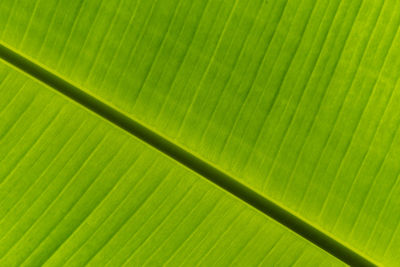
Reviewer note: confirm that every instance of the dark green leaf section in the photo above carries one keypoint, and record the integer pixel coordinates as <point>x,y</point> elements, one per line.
<point>76,190</point>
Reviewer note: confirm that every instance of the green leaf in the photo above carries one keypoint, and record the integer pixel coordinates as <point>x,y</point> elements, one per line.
<point>297,100</point>
<point>77,190</point>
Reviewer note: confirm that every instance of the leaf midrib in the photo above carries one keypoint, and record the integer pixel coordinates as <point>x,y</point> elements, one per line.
<point>186,158</point>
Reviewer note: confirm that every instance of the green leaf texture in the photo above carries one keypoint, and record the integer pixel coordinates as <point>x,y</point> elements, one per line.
<point>297,99</point>
<point>76,190</point>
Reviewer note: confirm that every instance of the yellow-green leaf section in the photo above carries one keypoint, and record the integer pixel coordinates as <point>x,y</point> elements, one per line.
<point>298,99</point>
<point>76,190</point>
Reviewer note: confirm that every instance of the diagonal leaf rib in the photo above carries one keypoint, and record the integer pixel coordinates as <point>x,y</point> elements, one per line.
<point>186,158</point>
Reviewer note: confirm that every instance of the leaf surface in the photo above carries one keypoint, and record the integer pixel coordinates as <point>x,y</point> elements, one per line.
<point>77,190</point>
<point>296,99</point>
